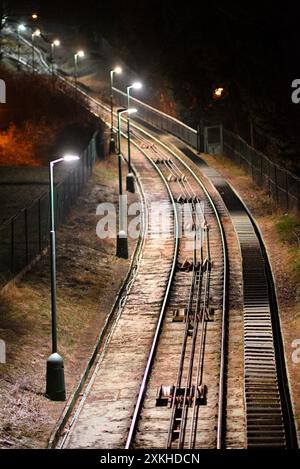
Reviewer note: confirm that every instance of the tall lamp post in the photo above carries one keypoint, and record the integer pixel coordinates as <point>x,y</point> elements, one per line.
<point>36,33</point>
<point>55,381</point>
<point>54,44</point>
<point>122,241</point>
<point>130,178</point>
<point>81,55</point>
<point>112,145</point>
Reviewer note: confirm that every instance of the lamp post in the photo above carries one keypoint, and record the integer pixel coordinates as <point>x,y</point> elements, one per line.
<point>130,178</point>
<point>122,241</point>
<point>36,33</point>
<point>55,382</point>
<point>21,27</point>
<point>54,44</point>
<point>78,54</point>
<point>112,145</point>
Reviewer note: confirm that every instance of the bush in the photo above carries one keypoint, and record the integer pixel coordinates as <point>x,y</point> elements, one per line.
<point>288,229</point>
<point>26,145</point>
<point>35,113</point>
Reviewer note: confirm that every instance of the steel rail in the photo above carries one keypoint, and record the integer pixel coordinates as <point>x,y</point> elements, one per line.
<point>147,371</point>
<point>196,283</point>
<point>97,104</point>
<point>221,403</point>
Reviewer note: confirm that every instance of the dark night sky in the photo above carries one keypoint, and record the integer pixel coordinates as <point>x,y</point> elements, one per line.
<point>252,49</point>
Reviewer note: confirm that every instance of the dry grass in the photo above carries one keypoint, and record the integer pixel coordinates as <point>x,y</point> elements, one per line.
<point>88,276</point>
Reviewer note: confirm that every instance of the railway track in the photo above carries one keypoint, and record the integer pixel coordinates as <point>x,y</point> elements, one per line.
<point>171,398</point>
<point>183,405</point>
<point>268,409</point>
<point>176,299</point>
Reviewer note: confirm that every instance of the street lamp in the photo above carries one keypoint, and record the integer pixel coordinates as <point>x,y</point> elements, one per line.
<point>36,33</point>
<point>55,43</point>
<point>112,146</point>
<point>122,241</point>
<point>21,28</point>
<point>81,55</point>
<point>55,381</point>
<point>218,93</point>
<point>130,179</point>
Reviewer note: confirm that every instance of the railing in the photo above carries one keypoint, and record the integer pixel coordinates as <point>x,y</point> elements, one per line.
<point>159,119</point>
<point>26,235</point>
<point>280,184</point>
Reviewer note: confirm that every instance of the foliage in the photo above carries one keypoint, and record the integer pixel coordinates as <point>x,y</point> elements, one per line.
<point>36,115</point>
<point>288,229</point>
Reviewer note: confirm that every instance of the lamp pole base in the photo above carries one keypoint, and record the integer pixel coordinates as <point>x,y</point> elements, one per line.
<point>122,245</point>
<point>55,379</point>
<point>130,183</point>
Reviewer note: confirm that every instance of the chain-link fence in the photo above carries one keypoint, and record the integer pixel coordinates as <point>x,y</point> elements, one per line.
<point>25,235</point>
<point>281,185</point>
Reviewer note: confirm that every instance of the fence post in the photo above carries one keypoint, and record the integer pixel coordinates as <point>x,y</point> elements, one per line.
<point>205,140</point>
<point>26,236</point>
<point>221,138</point>
<point>287,191</point>
<point>40,225</point>
<point>276,185</point>
<point>82,172</point>
<point>200,136</point>
<point>12,242</point>
<point>269,178</point>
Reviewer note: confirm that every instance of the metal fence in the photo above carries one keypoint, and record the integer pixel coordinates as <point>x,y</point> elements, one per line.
<point>280,184</point>
<point>213,139</point>
<point>159,119</point>
<point>25,235</point>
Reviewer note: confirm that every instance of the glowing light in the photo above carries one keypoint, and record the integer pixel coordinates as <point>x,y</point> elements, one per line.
<point>117,70</point>
<point>131,110</point>
<point>56,42</point>
<point>37,33</point>
<point>70,157</point>
<point>137,85</point>
<point>218,92</point>
<point>34,16</point>
<point>22,27</point>
<point>80,53</point>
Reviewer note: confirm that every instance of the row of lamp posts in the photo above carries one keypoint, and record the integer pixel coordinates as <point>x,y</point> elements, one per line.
<point>56,43</point>
<point>55,381</point>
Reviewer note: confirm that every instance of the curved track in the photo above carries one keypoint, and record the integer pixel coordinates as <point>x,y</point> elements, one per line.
<point>200,275</point>
<point>269,417</point>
